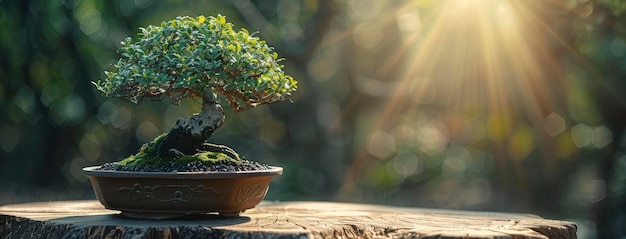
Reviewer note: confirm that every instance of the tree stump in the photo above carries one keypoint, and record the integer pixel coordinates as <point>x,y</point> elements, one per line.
<point>88,219</point>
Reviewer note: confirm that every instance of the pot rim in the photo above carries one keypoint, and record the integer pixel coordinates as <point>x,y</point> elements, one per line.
<point>93,172</point>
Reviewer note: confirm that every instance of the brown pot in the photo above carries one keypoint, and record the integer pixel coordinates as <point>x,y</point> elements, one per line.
<point>162,195</point>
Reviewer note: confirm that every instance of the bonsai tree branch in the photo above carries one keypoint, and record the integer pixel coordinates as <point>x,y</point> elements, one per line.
<point>189,133</point>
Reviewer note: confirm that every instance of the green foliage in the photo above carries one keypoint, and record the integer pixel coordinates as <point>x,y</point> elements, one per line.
<point>184,56</point>
<point>148,156</point>
<point>617,6</point>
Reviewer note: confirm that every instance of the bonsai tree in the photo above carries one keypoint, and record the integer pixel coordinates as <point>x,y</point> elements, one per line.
<point>196,57</point>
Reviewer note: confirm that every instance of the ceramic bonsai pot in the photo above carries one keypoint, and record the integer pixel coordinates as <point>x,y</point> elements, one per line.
<point>162,195</point>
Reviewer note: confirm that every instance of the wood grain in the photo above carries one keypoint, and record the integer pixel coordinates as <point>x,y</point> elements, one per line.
<point>88,219</point>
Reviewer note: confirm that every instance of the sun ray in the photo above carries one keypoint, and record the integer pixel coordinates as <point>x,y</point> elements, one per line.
<point>498,61</point>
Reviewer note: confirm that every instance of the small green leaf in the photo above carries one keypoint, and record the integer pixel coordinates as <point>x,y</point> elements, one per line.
<point>196,53</point>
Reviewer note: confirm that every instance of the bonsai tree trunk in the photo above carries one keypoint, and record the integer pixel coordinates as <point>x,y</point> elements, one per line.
<point>189,133</point>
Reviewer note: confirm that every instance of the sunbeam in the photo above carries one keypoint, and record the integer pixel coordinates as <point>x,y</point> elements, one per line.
<point>491,60</point>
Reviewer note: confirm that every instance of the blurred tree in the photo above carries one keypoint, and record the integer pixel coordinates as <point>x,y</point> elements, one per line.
<point>603,45</point>
<point>43,64</point>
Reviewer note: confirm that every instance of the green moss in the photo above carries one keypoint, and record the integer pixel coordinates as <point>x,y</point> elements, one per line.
<point>148,156</point>
<point>208,158</point>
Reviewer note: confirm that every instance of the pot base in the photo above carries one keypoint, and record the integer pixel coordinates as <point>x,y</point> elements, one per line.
<point>151,215</point>
<point>165,216</point>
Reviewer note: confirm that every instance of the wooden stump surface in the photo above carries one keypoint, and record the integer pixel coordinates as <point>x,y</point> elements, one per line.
<point>88,219</point>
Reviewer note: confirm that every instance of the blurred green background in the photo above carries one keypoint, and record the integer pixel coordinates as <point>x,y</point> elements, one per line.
<point>495,105</point>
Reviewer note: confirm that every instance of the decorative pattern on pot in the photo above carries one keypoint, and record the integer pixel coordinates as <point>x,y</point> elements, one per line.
<point>251,191</point>
<point>167,193</point>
